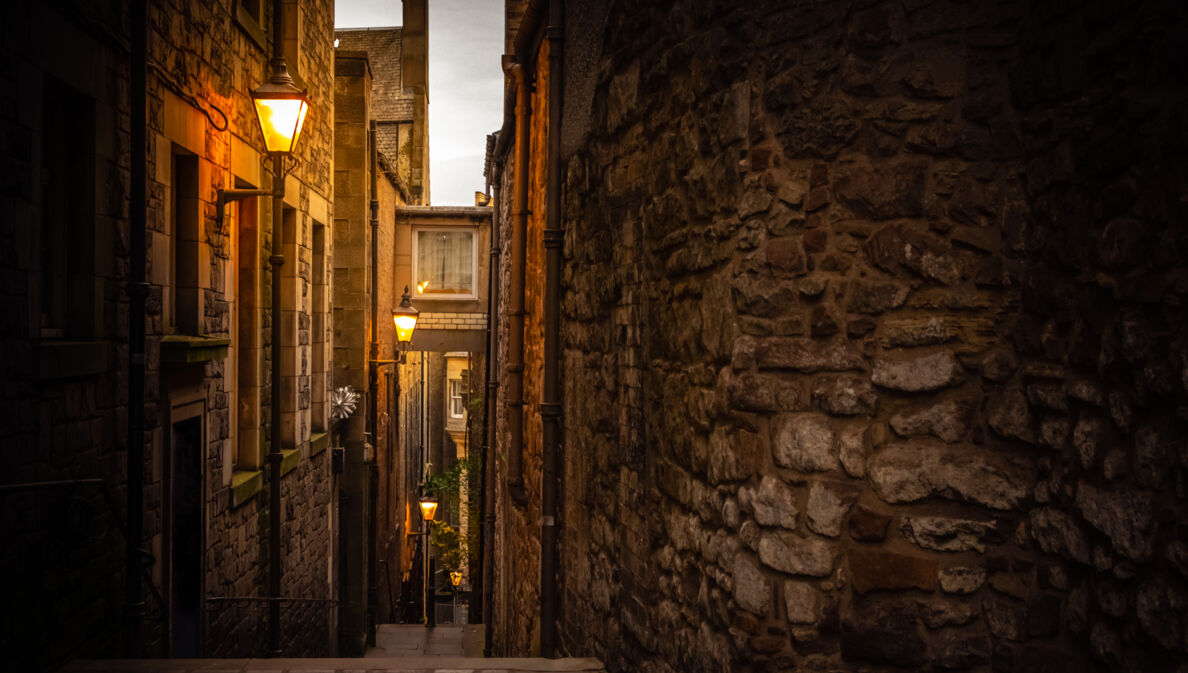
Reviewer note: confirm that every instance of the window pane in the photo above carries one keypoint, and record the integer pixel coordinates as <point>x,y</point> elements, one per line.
<point>456,406</point>
<point>445,262</point>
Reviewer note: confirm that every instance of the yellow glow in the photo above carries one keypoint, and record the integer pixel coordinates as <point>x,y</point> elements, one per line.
<point>405,324</point>
<point>421,286</point>
<point>428,509</point>
<point>280,121</point>
<point>455,577</point>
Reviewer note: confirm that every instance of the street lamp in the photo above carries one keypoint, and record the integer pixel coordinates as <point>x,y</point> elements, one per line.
<point>455,580</point>
<point>405,318</point>
<point>428,505</point>
<point>281,109</point>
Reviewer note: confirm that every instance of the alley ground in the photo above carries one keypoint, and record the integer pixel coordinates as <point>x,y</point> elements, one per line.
<point>400,648</point>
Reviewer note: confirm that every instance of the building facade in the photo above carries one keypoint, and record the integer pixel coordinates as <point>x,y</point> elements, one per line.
<point>207,386</point>
<point>866,330</point>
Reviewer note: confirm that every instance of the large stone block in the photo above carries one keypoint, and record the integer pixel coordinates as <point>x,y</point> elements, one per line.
<point>879,569</point>
<point>883,632</point>
<point>932,371</point>
<point>804,442</point>
<point>908,472</point>
<point>797,555</point>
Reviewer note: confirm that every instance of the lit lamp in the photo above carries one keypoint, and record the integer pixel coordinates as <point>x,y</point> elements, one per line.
<point>405,317</point>
<point>428,507</point>
<point>455,580</point>
<point>281,108</point>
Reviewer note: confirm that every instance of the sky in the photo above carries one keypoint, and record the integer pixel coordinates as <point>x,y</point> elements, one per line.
<point>465,85</point>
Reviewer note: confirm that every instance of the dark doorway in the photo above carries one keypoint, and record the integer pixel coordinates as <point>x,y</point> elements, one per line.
<point>185,554</point>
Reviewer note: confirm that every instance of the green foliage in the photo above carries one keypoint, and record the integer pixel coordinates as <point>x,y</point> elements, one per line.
<point>456,550</point>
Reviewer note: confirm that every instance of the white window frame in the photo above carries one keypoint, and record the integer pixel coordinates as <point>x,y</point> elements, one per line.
<point>450,397</point>
<point>432,296</point>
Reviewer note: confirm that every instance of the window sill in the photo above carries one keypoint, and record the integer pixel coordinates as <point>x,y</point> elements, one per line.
<point>289,460</point>
<point>318,442</point>
<point>425,296</point>
<point>250,26</point>
<point>180,349</point>
<point>245,484</point>
<point>72,359</point>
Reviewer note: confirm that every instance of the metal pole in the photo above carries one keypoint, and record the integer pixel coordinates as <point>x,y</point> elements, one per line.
<point>372,402</point>
<point>431,606</point>
<point>137,288</point>
<point>274,455</point>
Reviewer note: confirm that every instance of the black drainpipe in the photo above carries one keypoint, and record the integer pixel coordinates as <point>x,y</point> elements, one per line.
<point>137,289</point>
<point>550,406</point>
<point>372,399</point>
<point>489,424</point>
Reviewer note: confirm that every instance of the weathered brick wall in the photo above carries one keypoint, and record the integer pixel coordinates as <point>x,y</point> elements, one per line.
<point>874,351</point>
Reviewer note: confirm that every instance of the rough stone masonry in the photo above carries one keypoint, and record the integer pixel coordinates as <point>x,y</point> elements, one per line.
<point>874,339</point>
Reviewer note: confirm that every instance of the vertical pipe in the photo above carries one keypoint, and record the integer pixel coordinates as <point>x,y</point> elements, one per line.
<point>487,588</point>
<point>550,407</point>
<point>274,456</point>
<point>515,339</point>
<point>137,288</point>
<point>430,601</point>
<point>372,397</point>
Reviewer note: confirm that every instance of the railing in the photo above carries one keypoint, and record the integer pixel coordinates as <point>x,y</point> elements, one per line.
<point>244,621</point>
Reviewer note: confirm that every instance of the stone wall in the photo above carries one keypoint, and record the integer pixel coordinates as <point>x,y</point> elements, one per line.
<point>202,63</point>
<point>203,58</point>
<point>63,402</point>
<point>873,347</point>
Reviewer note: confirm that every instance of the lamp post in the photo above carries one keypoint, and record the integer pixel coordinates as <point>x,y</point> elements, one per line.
<point>455,580</point>
<point>428,505</point>
<point>281,109</point>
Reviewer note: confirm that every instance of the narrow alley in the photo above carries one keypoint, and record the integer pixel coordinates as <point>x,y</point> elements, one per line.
<point>594,335</point>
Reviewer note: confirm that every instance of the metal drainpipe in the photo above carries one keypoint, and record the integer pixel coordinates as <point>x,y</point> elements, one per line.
<point>550,406</point>
<point>372,399</point>
<point>137,289</point>
<point>275,456</point>
<point>515,339</point>
<point>489,424</point>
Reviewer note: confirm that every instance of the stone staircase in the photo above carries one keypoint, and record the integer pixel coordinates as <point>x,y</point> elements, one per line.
<point>400,648</point>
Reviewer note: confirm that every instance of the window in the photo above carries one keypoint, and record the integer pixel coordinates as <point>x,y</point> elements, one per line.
<point>249,14</point>
<point>320,319</point>
<point>444,263</point>
<point>456,404</point>
<point>248,453</point>
<point>67,213</point>
<point>187,273</point>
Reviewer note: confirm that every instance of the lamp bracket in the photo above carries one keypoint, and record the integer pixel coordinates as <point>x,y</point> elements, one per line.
<point>286,168</point>
<point>225,196</point>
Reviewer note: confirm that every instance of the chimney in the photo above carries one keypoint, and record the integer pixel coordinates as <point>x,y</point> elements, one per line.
<point>414,46</point>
